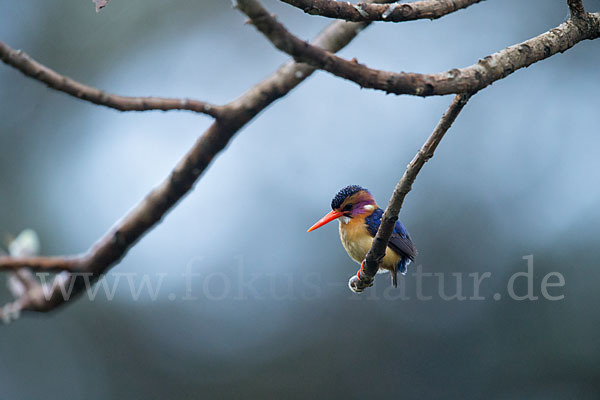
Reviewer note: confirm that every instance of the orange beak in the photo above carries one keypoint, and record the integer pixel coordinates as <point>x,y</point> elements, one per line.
<point>326,219</point>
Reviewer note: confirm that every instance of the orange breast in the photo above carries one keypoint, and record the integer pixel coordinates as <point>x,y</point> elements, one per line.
<point>357,241</point>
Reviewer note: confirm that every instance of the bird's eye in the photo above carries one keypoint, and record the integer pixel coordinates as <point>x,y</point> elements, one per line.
<point>348,207</point>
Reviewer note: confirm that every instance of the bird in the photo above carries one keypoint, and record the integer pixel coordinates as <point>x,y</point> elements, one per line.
<point>359,217</point>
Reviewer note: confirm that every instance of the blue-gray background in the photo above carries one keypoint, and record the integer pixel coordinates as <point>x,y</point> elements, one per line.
<point>516,175</point>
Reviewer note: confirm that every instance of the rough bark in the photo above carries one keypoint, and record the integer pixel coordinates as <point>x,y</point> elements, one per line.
<point>395,12</point>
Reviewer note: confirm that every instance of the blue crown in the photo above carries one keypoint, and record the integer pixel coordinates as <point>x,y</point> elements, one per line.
<point>344,194</point>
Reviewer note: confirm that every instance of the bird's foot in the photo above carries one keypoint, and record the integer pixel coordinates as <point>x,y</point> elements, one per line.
<point>356,284</point>
<point>362,265</point>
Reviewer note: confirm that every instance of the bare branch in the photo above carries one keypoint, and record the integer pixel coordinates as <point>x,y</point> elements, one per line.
<point>395,12</point>
<point>468,79</point>
<point>72,264</point>
<point>113,246</point>
<point>35,70</point>
<point>576,8</point>
<point>366,275</point>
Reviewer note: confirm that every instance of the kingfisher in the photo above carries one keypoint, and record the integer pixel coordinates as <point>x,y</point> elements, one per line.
<point>360,217</point>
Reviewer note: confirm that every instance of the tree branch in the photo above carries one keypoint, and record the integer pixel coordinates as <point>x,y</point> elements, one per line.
<point>113,246</point>
<point>73,264</point>
<point>366,275</point>
<point>395,12</point>
<point>463,80</point>
<point>54,80</point>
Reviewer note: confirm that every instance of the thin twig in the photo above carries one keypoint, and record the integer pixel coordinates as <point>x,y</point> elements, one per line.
<point>72,264</point>
<point>390,216</point>
<point>395,12</point>
<point>455,81</point>
<point>54,80</point>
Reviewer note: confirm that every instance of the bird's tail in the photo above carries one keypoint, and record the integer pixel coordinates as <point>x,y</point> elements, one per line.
<point>394,273</point>
<point>400,267</point>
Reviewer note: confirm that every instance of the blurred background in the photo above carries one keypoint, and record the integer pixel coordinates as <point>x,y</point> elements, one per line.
<point>270,314</point>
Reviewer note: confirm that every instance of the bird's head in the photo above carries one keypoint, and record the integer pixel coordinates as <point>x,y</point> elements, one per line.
<point>350,202</point>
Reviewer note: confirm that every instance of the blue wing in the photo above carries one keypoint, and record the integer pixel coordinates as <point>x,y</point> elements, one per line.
<point>400,241</point>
